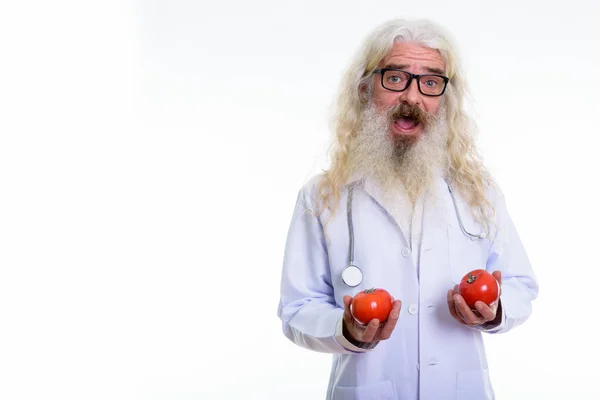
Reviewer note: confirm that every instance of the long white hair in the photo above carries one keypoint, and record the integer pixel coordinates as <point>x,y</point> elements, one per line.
<point>465,170</point>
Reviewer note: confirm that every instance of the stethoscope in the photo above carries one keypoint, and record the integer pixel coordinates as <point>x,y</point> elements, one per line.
<point>352,274</point>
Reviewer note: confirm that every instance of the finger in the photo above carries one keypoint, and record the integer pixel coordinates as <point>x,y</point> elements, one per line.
<point>452,306</point>
<point>390,324</point>
<point>369,333</point>
<point>487,313</point>
<point>466,319</point>
<point>498,276</point>
<point>466,313</point>
<point>347,312</point>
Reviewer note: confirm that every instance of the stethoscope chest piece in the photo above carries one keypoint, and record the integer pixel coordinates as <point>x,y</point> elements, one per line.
<point>352,275</point>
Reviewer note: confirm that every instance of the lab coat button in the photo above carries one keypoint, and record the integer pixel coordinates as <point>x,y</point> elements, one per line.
<point>405,252</point>
<point>412,309</point>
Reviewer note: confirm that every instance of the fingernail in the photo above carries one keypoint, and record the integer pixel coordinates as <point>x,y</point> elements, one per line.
<point>457,298</point>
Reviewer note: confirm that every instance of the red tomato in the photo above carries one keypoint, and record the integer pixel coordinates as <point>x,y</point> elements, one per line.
<point>478,285</point>
<point>370,304</point>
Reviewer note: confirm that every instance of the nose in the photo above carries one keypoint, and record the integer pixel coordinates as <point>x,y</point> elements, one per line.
<point>411,95</point>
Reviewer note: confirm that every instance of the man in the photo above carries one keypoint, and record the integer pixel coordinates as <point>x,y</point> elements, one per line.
<point>408,201</point>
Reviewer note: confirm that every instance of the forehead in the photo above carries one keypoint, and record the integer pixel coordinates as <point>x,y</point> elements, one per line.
<point>414,55</point>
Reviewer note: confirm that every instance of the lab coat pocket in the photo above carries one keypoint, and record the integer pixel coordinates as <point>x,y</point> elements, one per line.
<point>377,391</point>
<point>464,253</point>
<point>474,384</point>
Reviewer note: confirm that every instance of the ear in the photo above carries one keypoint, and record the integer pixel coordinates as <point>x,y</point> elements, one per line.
<point>364,93</point>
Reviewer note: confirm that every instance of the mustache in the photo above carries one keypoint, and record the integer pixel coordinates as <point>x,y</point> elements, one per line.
<point>404,110</point>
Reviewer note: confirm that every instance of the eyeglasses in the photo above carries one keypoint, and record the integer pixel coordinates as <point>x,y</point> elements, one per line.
<point>397,80</point>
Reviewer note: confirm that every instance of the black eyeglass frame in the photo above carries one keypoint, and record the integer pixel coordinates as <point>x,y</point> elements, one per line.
<point>382,71</point>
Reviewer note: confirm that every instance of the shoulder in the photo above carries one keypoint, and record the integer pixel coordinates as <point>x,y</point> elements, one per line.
<point>314,182</point>
<point>493,191</point>
<point>309,193</point>
<point>494,194</point>
<point>313,188</point>
<point>319,195</point>
<point>500,211</point>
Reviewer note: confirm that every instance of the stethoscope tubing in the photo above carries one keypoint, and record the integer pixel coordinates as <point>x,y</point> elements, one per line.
<point>351,265</point>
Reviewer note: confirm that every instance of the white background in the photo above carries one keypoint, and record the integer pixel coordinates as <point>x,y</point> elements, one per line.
<point>150,157</point>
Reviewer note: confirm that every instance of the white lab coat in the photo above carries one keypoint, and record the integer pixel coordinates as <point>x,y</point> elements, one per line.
<point>429,356</point>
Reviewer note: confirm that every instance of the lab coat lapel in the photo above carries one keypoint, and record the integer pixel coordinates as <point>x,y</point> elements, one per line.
<point>435,216</point>
<point>434,267</point>
<point>376,194</point>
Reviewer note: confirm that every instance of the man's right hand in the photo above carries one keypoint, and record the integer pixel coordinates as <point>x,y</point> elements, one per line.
<point>374,331</point>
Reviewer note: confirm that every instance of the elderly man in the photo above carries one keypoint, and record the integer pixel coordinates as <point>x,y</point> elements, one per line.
<point>408,204</point>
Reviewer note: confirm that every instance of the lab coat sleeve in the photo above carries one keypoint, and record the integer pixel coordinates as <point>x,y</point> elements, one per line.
<point>307,308</point>
<point>519,283</point>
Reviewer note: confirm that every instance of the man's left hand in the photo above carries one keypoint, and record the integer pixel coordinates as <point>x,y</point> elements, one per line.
<point>462,313</point>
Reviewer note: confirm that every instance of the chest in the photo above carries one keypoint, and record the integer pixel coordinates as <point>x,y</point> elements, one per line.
<point>430,258</point>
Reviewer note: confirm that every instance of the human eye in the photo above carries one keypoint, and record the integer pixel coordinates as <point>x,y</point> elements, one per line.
<point>394,78</point>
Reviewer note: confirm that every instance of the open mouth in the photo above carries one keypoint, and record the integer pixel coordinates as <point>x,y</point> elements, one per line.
<point>406,123</point>
<point>406,119</point>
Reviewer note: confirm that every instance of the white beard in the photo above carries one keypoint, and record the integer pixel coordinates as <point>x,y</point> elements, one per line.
<point>394,164</point>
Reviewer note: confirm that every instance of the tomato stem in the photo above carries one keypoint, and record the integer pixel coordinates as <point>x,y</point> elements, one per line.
<point>471,278</point>
<point>370,290</point>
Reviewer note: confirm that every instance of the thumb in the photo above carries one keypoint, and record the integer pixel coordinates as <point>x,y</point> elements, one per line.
<point>498,276</point>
